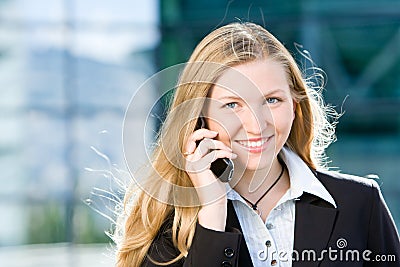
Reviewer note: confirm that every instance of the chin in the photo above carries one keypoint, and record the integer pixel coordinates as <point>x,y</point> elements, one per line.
<point>258,167</point>
<point>255,164</point>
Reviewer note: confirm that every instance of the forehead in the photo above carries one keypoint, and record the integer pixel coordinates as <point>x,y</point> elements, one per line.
<point>251,80</point>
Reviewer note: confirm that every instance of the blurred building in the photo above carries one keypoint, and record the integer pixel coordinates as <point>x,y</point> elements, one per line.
<point>68,70</point>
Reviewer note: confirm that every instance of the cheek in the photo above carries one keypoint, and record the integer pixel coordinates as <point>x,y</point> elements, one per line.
<point>283,122</point>
<point>226,129</point>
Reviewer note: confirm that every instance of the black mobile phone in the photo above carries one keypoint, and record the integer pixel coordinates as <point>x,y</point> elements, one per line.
<point>221,167</point>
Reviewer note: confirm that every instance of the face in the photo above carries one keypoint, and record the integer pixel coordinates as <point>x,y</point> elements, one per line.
<point>252,109</point>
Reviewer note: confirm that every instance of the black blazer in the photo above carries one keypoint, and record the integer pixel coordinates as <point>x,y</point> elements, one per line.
<point>361,221</point>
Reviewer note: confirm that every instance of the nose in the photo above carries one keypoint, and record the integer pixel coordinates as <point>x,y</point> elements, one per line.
<point>256,120</point>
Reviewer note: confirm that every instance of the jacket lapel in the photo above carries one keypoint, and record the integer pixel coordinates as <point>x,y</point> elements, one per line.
<point>314,222</point>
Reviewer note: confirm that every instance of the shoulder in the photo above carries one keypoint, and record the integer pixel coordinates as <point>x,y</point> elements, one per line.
<point>334,178</point>
<point>357,198</point>
<point>346,188</point>
<point>362,209</point>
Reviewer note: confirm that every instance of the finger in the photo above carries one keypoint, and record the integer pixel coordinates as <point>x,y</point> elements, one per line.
<point>207,144</point>
<point>204,164</point>
<point>198,164</point>
<point>196,136</point>
<point>219,154</point>
<point>203,133</point>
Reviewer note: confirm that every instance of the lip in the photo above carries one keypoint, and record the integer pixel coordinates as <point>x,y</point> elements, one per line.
<point>255,145</point>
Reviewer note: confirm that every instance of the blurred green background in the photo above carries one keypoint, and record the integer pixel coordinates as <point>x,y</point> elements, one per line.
<point>68,69</point>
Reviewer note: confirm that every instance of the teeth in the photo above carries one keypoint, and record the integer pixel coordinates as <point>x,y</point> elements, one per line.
<point>252,144</point>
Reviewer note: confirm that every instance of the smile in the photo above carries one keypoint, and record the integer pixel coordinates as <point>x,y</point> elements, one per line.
<point>254,145</point>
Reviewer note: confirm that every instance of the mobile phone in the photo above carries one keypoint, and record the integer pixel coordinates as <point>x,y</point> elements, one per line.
<point>221,167</point>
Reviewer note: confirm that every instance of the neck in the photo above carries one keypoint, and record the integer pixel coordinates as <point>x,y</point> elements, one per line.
<point>254,182</point>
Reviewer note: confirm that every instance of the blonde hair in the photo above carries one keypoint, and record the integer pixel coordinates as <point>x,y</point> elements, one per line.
<point>230,45</point>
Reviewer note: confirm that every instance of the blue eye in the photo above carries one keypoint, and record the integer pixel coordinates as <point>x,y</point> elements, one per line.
<point>231,105</point>
<point>271,100</point>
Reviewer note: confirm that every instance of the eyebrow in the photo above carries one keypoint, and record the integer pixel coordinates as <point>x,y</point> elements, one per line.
<point>239,98</point>
<point>230,98</point>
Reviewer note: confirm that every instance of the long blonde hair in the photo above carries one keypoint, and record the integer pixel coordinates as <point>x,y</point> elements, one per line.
<point>227,46</point>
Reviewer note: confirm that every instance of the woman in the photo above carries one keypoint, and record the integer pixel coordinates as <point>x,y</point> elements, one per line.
<point>242,97</point>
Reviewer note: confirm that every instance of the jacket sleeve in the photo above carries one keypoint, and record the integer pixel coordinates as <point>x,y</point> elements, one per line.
<point>212,248</point>
<point>383,238</point>
<point>162,249</point>
<point>209,248</point>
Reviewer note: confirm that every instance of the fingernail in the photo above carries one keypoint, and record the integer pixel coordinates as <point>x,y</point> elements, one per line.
<point>214,132</point>
<point>234,156</point>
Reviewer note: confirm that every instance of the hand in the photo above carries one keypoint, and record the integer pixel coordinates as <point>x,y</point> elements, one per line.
<point>211,191</point>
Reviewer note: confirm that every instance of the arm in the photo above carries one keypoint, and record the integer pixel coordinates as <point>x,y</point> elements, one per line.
<point>212,244</point>
<point>209,248</point>
<point>212,248</point>
<point>383,238</point>
<point>162,249</point>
